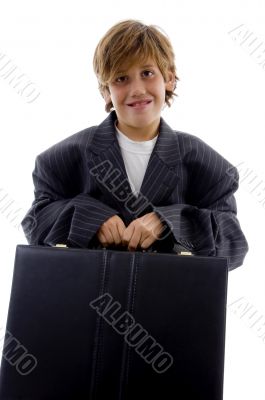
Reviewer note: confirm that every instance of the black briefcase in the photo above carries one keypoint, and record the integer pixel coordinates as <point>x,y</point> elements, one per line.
<point>106,324</point>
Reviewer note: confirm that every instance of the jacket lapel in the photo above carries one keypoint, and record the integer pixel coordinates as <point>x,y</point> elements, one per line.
<point>160,177</point>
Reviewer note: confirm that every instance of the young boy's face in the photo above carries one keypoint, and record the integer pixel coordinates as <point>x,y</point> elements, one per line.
<point>138,95</point>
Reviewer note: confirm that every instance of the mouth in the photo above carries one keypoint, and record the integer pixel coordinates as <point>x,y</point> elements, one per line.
<point>140,104</point>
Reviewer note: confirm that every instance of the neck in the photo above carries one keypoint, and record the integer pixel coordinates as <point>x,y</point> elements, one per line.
<point>139,134</point>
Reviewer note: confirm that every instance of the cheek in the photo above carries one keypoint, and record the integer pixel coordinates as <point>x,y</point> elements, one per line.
<point>161,93</point>
<point>160,89</point>
<point>116,96</point>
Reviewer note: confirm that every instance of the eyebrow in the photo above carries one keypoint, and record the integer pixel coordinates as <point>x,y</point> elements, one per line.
<point>142,66</point>
<point>148,66</point>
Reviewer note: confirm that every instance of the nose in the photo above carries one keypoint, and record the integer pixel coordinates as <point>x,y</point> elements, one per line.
<point>137,87</point>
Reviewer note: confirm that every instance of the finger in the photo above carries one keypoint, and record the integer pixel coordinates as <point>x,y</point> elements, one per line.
<point>107,233</point>
<point>146,223</point>
<point>116,229</point>
<point>135,239</point>
<point>152,225</point>
<point>127,234</point>
<point>120,230</point>
<point>147,242</point>
<point>115,234</point>
<point>111,229</point>
<point>101,237</point>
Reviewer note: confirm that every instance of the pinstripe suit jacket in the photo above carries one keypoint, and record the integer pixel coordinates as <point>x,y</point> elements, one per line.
<point>81,182</point>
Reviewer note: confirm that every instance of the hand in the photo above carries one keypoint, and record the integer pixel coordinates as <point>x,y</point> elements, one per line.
<point>111,231</point>
<point>142,231</point>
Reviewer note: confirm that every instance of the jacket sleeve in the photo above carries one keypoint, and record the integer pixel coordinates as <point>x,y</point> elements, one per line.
<point>208,225</point>
<point>58,216</point>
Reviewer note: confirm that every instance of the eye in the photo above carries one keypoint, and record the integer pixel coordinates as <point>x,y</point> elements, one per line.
<point>120,79</point>
<point>148,73</point>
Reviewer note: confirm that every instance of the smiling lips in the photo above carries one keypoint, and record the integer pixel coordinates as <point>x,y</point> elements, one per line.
<point>140,103</point>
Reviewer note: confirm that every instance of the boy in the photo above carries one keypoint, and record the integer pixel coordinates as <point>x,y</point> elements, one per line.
<point>132,182</point>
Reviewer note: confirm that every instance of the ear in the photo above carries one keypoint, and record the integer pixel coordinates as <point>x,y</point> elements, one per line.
<point>170,83</point>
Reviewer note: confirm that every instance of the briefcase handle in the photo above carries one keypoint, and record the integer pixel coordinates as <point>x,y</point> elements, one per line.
<point>100,247</point>
<point>179,250</point>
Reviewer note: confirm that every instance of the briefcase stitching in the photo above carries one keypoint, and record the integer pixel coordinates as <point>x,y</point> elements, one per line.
<point>98,339</point>
<point>132,312</point>
<point>126,349</point>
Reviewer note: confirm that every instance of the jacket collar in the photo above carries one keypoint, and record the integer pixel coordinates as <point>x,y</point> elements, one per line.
<point>166,147</point>
<point>163,170</point>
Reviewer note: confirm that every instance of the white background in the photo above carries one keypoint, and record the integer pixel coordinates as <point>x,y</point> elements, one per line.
<point>221,97</point>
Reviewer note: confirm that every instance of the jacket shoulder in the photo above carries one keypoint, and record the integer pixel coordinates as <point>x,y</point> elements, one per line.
<point>194,147</point>
<point>190,143</point>
<point>203,160</point>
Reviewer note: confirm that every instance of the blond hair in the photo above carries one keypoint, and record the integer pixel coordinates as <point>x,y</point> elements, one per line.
<point>130,41</point>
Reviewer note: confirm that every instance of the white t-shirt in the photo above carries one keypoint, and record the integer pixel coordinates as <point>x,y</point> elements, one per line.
<point>135,156</point>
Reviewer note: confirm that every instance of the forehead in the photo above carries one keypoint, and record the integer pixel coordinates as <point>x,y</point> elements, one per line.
<point>131,65</point>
